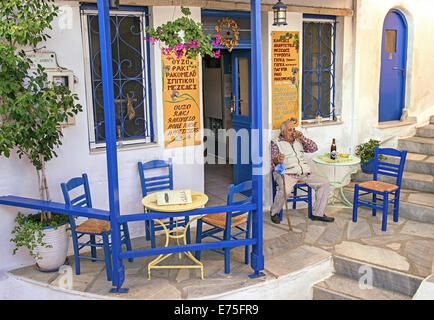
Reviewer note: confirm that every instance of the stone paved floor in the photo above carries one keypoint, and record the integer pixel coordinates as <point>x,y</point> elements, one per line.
<point>407,246</point>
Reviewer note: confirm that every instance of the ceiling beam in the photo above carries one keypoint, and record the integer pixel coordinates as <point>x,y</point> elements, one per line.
<point>238,6</point>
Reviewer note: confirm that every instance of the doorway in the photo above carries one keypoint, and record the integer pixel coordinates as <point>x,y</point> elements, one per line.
<point>227,110</point>
<point>393,67</point>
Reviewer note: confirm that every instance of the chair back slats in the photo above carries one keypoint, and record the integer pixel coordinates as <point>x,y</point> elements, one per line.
<point>83,200</point>
<point>236,191</point>
<point>389,169</point>
<point>159,182</point>
<point>389,152</point>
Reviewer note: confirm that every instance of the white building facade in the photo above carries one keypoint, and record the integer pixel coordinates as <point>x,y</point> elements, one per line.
<point>350,113</point>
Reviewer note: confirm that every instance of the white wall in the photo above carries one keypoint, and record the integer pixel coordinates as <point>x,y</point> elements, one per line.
<point>419,98</point>
<point>322,134</point>
<point>18,177</point>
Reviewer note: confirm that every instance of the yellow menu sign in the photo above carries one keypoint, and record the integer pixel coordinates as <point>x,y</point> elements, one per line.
<point>285,71</point>
<point>181,102</point>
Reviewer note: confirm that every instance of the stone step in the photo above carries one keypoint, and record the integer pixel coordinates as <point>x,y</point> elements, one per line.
<point>417,162</point>
<point>426,131</point>
<point>410,180</point>
<point>418,206</point>
<point>342,288</point>
<point>379,276</point>
<point>417,145</point>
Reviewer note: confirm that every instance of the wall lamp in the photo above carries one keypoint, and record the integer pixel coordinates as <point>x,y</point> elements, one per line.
<point>279,10</point>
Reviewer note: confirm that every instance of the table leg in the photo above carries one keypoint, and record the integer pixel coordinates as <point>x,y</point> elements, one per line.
<point>337,185</point>
<point>346,204</point>
<point>179,234</point>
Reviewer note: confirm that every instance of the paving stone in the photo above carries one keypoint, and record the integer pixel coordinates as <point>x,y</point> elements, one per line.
<point>270,232</point>
<point>374,255</point>
<point>383,239</point>
<point>296,259</point>
<point>332,235</point>
<point>421,254</point>
<point>415,156</point>
<point>394,246</point>
<point>426,199</point>
<point>360,229</point>
<point>420,229</point>
<point>313,233</point>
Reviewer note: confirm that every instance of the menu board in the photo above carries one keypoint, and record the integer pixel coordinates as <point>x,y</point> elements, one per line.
<point>181,101</point>
<point>285,76</point>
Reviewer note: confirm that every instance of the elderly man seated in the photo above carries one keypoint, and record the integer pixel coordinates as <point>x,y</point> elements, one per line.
<point>289,148</point>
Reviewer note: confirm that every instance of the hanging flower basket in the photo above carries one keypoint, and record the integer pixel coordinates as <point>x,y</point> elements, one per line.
<point>184,38</point>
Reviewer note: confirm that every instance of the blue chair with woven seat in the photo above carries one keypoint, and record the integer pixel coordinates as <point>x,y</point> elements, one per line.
<point>226,221</point>
<point>91,227</point>
<point>389,192</point>
<point>152,182</point>
<point>295,197</point>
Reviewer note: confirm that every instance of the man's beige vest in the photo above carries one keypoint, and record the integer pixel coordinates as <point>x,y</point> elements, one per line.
<point>294,157</point>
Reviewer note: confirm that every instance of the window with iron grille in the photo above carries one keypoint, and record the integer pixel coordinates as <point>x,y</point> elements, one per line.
<point>131,81</point>
<point>319,43</point>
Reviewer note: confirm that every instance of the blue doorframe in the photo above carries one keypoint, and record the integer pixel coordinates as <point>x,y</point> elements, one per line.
<point>393,66</point>
<point>242,124</point>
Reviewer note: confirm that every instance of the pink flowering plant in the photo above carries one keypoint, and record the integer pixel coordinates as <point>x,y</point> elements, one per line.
<point>184,37</point>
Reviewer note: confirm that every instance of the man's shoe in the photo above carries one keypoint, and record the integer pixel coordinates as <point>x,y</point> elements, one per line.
<point>323,218</point>
<point>275,219</point>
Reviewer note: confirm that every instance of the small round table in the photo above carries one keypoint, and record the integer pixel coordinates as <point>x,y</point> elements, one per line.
<point>199,200</point>
<point>340,161</point>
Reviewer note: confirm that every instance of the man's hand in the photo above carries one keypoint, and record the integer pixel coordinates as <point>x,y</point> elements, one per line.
<point>298,135</point>
<point>280,158</point>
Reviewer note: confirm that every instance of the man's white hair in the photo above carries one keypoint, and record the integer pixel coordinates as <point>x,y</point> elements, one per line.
<point>284,123</point>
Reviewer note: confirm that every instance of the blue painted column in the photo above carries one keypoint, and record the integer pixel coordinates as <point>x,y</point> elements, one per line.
<point>110,136</point>
<point>255,27</point>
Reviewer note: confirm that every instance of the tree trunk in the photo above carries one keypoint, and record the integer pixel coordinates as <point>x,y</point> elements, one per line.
<point>44,193</point>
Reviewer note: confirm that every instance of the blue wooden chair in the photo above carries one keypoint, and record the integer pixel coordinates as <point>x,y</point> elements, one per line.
<point>224,222</point>
<point>295,197</point>
<point>151,183</point>
<point>92,227</point>
<point>389,193</point>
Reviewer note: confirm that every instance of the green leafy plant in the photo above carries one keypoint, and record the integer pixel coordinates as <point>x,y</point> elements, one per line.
<point>184,37</point>
<point>366,151</point>
<point>31,107</point>
<point>28,231</point>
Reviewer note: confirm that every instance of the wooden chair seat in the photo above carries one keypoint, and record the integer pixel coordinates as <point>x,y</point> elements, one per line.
<point>96,226</point>
<point>378,186</point>
<point>219,219</point>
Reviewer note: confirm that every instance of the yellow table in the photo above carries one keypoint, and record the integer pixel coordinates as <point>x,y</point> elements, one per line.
<point>338,162</point>
<point>150,203</point>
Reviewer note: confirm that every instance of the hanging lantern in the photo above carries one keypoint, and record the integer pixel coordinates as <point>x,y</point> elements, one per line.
<point>279,10</point>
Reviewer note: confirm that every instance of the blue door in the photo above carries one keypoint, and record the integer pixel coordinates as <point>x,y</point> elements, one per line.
<point>393,66</point>
<point>241,115</point>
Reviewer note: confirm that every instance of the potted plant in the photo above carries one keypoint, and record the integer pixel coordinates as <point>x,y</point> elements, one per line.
<point>366,152</point>
<point>184,38</point>
<point>31,110</point>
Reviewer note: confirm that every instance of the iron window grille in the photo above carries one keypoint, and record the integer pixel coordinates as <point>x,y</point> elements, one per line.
<point>131,76</point>
<point>319,52</point>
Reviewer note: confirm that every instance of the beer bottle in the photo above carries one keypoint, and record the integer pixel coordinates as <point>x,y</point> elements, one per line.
<point>333,150</point>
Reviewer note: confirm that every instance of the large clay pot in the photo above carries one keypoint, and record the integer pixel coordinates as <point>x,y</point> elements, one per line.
<point>53,258</point>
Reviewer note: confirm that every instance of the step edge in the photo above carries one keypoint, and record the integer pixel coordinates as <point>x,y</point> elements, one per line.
<point>410,277</point>
<point>331,291</point>
<point>354,296</point>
